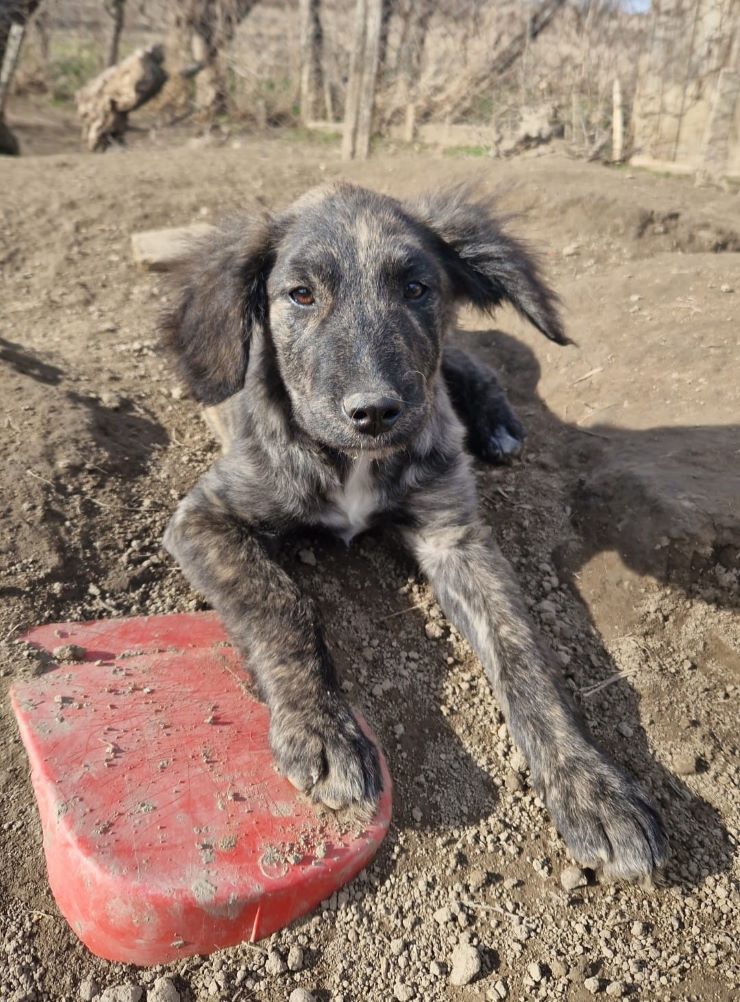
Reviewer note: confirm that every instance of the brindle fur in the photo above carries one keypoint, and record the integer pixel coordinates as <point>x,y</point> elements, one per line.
<point>273,375</point>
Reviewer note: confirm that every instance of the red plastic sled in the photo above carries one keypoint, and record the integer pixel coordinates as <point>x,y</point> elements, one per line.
<point>167,830</point>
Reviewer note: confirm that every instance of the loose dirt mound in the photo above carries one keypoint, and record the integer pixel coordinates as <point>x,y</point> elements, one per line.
<point>622,520</point>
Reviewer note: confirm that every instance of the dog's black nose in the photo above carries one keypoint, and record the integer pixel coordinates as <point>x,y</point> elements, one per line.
<point>372,414</point>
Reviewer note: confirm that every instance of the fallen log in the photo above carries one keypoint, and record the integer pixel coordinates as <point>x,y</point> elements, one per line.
<point>105,103</point>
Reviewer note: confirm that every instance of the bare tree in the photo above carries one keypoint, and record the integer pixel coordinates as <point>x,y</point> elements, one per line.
<point>415,17</point>
<point>210,26</point>
<point>461,94</point>
<point>363,75</point>
<point>116,10</point>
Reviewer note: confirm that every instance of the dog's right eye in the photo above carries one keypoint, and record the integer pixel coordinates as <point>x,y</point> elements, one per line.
<point>303,296</point>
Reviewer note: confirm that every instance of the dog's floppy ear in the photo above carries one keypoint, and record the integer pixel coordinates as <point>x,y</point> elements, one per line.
<point>486,265</point>
<point>220,297</point>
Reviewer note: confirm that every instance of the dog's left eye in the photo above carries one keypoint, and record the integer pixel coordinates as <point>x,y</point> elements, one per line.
<point>414,290</point>
<point>303,296</point>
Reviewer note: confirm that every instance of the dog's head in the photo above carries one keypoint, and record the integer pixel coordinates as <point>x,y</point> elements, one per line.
<point>354,293</point>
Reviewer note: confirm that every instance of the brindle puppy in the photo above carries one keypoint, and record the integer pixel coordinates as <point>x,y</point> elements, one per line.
<point>320,335</point>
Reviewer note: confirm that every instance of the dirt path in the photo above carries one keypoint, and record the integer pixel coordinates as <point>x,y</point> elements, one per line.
<point>623,520</point>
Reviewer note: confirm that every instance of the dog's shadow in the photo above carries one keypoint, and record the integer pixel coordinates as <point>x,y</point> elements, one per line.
<point>363,604</point>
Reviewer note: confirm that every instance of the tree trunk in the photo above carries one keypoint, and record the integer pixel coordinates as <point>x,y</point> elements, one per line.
<point>213,24</point>
<point>210,84</point>
<point>13,44</point>
<point>363,73</point>
<point>354,83</point>
<point>373,30</point>
<point>312,83</point>
<point>14,16</point>
<point>42,27</point>
<point>385,24</point>
<point>116,9</point>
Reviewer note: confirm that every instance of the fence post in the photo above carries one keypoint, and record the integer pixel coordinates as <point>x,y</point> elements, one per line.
<point>617,124</point>
<point>409,125</point>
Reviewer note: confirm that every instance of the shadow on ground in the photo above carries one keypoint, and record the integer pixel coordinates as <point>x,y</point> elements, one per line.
<point>620,486</point>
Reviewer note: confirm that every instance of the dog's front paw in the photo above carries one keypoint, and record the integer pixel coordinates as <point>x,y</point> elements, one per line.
<point>605,819</point>
<point>503,446</point>
<point>324,753</point>
<point>497,435</point>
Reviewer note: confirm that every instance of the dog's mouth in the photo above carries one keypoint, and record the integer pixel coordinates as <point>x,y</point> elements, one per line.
<point>340,438</point>
<point>357,446</point>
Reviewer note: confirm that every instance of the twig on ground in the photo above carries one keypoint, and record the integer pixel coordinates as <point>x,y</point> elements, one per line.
<point>401,612</point>
<point>591,690</point>
<point>587,375</point>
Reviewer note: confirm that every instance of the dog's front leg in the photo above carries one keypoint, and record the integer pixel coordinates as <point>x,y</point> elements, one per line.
<point>493,431</point>
<point>316,740</point>
<point>600,812</point>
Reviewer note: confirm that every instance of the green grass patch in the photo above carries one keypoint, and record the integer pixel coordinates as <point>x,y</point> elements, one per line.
<point>318,137</point>
<point>467,151</point>
<point>70,67</point>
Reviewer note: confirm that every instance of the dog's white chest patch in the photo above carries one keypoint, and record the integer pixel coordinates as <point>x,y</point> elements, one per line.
<point>351,506</point>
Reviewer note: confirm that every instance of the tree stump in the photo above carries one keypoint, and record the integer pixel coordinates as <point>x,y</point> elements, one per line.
<point>105,103</point>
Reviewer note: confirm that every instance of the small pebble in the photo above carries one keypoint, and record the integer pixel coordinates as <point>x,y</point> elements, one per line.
<point>477,879</point>
<point>69,652</point>
<point>88,989</point>
<point>535,972</point>
<point>572,877</point>
<point>592,985</point>
<point>122,993</point>
<point>307,557</point>
<point>404,993</point>
<point>615,989</point>
<point>301,995</point>
<point>295,958</point>
<point>686,763</point>
<point>513,782</point>
<point>275,964</point>
<point>163,990</point>
<point>465,964</point>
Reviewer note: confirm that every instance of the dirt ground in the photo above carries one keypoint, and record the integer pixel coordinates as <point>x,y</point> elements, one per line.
<point>623,520</point>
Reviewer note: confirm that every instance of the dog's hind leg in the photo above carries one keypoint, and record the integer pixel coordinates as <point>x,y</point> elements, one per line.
<point>494,433</point>
<point>315,738</point>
